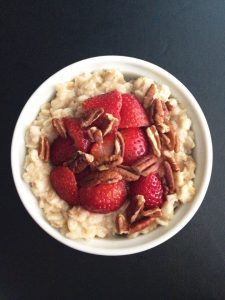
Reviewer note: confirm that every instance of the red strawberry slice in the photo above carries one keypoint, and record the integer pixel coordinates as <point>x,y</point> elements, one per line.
<point>135,144</point>
<point>61,150</point>
<point>111,103</point>
<point>103,198</point>
<point>64,183</point>
<point>79,135</point>
<point>132,113</point>
<point>105,148</point>
<point>151,188</point>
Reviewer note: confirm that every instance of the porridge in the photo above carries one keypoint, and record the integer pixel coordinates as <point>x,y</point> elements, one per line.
<point>108,156</point>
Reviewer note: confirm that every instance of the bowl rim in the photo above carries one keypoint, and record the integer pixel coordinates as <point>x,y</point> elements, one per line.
<point>205,181</point>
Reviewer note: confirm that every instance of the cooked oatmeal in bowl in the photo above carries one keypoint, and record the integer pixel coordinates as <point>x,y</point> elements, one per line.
<point>104,158</point>
<point>138,115</point>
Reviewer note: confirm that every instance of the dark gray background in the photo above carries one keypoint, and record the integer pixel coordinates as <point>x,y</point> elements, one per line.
<point>184,37</point>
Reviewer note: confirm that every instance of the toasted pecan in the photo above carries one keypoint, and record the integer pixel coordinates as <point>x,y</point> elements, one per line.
<point>44,149</point>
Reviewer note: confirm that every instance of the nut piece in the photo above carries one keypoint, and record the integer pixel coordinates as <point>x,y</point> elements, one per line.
<point>152,112</point>
<point>59,127</point>
<point>169,177</point>
<point>156,213</point>
<point>95,134</point>
<point>44,149</point>
<point>107,163</point>
<point>109,122</point>
<point>127,173</point>
<point>153,137</point>
<point>80,162</point>
<point>122,226</point>
<point>148,99</point>
<point>146,165</point>
<point>135,208</point>
<point>165,140</point>
<point>98,177</point>
<point>119,144</point>
<point>169,106</point>
<point>174,165</point>
<point>141,224</point>
<point>90,116</point>
<point>174,142</point>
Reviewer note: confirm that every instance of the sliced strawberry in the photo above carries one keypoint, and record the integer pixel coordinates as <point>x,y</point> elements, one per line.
<point>111,103</point>
<point>105,148</point>
<point>151,188</point>
<point>61,150</point>
<point>64,183</point>
<point>103,198</point>
<point>78,134</point>
<point>132,113</point>
<point>135,144</point>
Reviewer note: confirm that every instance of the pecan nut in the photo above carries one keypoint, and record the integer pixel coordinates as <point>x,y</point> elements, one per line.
<point>98,177</point>
<point>146,165</point>
<point>135,208</point>
<point>111,162</point>
<point>59,127</point>
<point>174,141</point>
<point>90,116</point>
<point>127,173</point>
<point>95,134</point>
<point>169,177</point>
<point>153,138</point>
<point>80,162</point>
<point>122,226</point>
<point>149,96</point>
<point>141,224</point>
<point>172,161</point>
<point>108,123</point>
<point>119,145</point>
<point>44,149</point>
<point>156,213</point>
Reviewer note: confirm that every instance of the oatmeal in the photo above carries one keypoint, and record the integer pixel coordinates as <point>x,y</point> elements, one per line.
<point>165,143</point>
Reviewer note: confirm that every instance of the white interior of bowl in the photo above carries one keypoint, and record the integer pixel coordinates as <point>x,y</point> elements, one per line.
<point>130,67</point>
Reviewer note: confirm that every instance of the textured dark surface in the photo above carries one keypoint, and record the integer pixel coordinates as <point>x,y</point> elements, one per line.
<point>184,37</point>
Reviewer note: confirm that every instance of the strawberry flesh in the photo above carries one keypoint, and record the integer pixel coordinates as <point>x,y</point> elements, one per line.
<point>103,198</point>
<point>111,103</point>
<point>61,150</point>
<point>151,188</point>
<point>64,183</point>
<point>79,135</point>
<point>105,148</point>
<point>135,144</point>
<point>132,113</point>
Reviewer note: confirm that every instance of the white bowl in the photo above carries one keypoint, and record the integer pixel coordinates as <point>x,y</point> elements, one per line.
<point>131,67</point>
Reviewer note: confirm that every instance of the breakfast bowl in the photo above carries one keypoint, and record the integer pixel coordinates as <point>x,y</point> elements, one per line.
<point>131,68</point>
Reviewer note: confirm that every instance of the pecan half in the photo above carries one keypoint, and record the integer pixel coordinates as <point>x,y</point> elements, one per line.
<point>98,177</point>
<point>135,208</point>
<point>122,226</point>
<point>153,137</point>
<point>165,140</point>
<point>169,106</point>
<point>169,177</point>
<point>174,165</point>
<point>119,145</point>
<point>127,173</point>
<point>174,141</point>
<point>148,99</point>
<point>108,123</point>
<point>90,116</point>
<point>44,149</point>
<point>152,112</point>
<point>141,224</point>
<point>111,162</point>
<point>159,112</point>
<point>146,165</point>
<point>80,162</point>
<point>95,134</point>
<point>59,127</point>
<point>156,213</point>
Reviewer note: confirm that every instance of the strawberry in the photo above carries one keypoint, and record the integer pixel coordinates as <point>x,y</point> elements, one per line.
<point>61,150</point>
<point>151,188</point>
<point>103,149</point>
<point>103,198</point>
<point>79,135</point>
<point>135,144</point>
<point>132,113</point>
<point>64,183</point>
<point>111,103</point>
